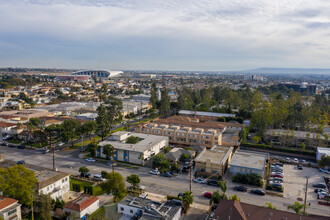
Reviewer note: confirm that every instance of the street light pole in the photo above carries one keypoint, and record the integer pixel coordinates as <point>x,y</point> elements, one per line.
<point>305,193</point>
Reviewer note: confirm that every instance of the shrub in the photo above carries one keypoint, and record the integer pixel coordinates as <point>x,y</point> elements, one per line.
<point>250,179</point>
<point>173,197</point>
<point>287,150</point>
<point>132,140</point>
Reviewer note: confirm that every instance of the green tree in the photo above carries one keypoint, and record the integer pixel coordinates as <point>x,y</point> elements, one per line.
<point>184,157</point>
<point>70,130</point>
<point>167,149</point>
<point>88,128</point>
<point>164,102</point>
<point>223,186</point>
<point>160,161</point>
<point>216,197</point>
<point>297,207</point>
<point>52,132</point>
<point>110,151</point>
<point>114,107</point>
<point>325,161</point>
<point>18,182</point>
<point>83,170</point>
<point>102,121</point>
<point>115,184</point>
<point>133,179</point>
<point>187,199</point>
<point>270,205</point>
<point>256,139</point>
<point>44,206</point>
<point>235,198</point>
<point>153,97</point>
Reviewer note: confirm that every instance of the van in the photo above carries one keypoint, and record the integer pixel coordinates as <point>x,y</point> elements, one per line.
<point>98,177</point>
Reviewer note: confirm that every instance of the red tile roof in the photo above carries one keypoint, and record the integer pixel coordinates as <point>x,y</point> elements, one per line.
<point>6,124</point>
<point>5,202</point>
<point>81,203</point>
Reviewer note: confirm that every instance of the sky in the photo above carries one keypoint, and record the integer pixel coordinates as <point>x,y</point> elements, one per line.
<point>209,35</point>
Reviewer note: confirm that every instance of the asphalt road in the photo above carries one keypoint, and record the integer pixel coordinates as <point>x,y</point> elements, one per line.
<point>154,184</point>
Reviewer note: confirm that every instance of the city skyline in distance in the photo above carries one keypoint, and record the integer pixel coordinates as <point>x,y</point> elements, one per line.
<point>172,35</point>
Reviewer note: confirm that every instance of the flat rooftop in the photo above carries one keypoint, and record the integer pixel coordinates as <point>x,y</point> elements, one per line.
<point>251,160</point>
<point>146,142</point>
<point>212,114</point>
<point>216,156</point>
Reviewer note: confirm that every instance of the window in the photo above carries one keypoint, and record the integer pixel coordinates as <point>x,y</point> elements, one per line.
<point>131,211</point>
<point>121,208</point>
<point>12,212</point>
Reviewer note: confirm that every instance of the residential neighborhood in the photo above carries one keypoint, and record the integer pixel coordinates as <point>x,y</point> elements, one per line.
<point>126,145</point>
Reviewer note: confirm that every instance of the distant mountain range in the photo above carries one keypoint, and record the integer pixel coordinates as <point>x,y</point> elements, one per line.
<point>269,70</point>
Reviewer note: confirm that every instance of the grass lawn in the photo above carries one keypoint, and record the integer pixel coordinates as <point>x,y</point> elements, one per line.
<point>98,214</point>
<point>37,145</point>
<point>96,189</point>
<point>85,142</point>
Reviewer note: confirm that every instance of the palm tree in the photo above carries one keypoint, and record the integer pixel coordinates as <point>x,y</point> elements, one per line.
<point>187,199</point>
<point>297,207</point>
<point>223,187</point>
<point>270,205</point>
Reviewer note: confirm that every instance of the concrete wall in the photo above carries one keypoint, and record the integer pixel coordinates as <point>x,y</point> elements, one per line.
<point>244,170</point>
<point>127,210</point>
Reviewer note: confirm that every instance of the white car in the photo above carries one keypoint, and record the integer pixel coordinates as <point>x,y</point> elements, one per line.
<point>201,181</point>
<point>303,162</point>
<point>295,160</point>
<point>321,195</point>
<point>154,172</point>
<point>288,159</point>
<point>98,177</point>
<point>90,160</point>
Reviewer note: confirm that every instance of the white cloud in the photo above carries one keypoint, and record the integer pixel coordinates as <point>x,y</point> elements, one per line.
<point>257,32</point>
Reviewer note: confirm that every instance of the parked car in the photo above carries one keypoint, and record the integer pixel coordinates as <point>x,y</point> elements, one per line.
<point>278,164</point>
<point>166,175</point>
<point>200,180</point>
<point>258,192</point>
<point>180,195</point>
<point>45,151</point>
<point>21,147</point>
<point>322,195</point>
<point>277,176</point>
<point>300,167</point>
<point>277,173</point>
<point>98,177</point>
<point>319,185</point>
<point>208,194</point>
<point>276,179</point>
<point>143,195</point>
<point>295,160</point>
<point>212,182</point>
<point>249,136</point>
<point>22,162</point>
<point>303,161</point>
<point>86,175</point>
<point>4,144</point>
<point>276,170</point>
<point>11,145</point>
<point>323,170</point>
<point>288,159</point>
<point>92,160</point>
<point>318,190</point>
<point>275,184</point>
<point>154,172</point>
<point>110,164</point>
<point>240,188</point>
<point>60,144</point>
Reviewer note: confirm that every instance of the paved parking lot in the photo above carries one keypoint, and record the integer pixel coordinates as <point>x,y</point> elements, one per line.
<point>294,182</point>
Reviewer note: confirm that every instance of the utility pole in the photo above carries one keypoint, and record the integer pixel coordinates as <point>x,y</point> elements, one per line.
<point>190,178</point>
<point>32,216</point>
<point>306,193</point>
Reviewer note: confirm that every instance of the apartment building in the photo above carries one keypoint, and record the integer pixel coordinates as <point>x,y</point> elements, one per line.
<point>10,209</point>
<point>183,135</point>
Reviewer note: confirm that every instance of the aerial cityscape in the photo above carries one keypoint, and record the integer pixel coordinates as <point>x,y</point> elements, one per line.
<point>174,110</point>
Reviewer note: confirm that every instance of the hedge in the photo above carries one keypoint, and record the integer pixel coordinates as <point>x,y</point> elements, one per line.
<point>287,150</point>
<point>173,197</point>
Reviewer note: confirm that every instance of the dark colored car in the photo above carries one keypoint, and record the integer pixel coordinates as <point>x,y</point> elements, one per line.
<point>240,188</point>
<point>180,195</point>
<point>86,175</point>
<point>258,192</point>
<point>318,190</point>
<point>11,145</point>
<point>208,194</point>
<point>4,144</point>
<point>22,162</point>
<point>212,182</point>
<point>299,167</point>
<point>21,147</point>
<point>319,185</point>
<point>166,175</point>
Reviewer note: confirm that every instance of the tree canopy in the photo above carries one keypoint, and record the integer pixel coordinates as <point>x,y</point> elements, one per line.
<point>133,179</point>
<point>115,185</point>
<point>18,182</point>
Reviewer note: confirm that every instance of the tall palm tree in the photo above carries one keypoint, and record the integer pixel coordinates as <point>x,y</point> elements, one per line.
<point>187,199</point>
<point>297,207</point>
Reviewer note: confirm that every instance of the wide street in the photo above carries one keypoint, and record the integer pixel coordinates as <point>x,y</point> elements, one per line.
<point>154,184</point>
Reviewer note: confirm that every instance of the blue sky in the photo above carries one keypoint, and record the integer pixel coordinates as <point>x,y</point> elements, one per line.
<point>165,35</point>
